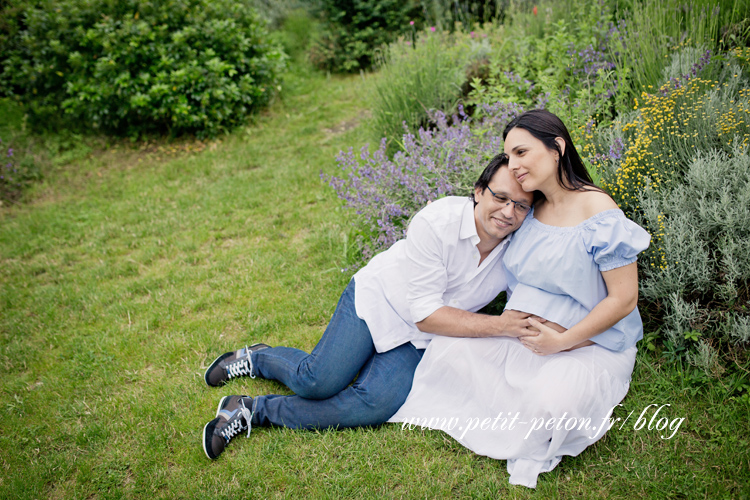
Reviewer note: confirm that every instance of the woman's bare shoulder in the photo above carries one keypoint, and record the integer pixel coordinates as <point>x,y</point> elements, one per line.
<point>595,201</point>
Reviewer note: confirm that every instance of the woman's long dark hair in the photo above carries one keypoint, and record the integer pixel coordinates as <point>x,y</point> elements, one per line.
<point>545,126</point>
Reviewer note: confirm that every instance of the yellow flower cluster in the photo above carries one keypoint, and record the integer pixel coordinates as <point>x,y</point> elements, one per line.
<point>672,125</point>
<point>742,54</point>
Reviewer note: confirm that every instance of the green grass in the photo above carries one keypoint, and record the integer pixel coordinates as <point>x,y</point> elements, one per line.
<point>129,270</point>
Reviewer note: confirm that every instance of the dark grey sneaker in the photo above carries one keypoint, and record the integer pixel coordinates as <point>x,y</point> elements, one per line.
<point>232,364</point>
<point>233,416</point>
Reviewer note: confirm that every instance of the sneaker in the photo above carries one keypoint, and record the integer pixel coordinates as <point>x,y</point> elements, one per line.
<point>232,364</point>
<point>233,416</point>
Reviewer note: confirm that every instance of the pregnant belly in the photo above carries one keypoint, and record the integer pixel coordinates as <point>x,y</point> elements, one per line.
<point>560,309</point>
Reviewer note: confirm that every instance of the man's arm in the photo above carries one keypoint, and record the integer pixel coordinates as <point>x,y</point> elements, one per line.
<point>452,322</point>
<point>428,279</point>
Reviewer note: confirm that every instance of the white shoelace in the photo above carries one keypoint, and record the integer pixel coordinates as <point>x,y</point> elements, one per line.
<point>242,367</point>
<point>235,427</point>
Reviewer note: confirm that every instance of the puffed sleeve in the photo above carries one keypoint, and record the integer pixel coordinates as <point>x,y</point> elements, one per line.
<point>614,240</point>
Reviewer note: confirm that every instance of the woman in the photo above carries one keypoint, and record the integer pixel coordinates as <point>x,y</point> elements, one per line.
<point>533,399</point>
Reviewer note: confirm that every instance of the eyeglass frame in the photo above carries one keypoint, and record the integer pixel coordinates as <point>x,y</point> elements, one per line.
<point>517,205</point>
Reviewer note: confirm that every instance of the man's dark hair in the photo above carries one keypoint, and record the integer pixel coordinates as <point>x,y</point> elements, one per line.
<point>500,160</point>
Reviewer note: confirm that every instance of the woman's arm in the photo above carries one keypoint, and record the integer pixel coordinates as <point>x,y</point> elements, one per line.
<point>622,297</point>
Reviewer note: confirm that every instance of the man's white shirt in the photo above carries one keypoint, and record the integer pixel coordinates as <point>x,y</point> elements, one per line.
<point>436,265</point>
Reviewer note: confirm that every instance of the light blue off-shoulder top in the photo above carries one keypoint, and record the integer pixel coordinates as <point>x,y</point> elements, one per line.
<point>555,272</point>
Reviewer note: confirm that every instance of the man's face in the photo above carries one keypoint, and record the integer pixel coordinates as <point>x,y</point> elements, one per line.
<point>497,220</point>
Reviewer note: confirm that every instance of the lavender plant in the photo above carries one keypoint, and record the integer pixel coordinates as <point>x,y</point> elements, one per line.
<point>385,192</point>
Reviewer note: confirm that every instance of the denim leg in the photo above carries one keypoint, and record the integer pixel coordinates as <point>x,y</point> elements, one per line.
<point>340,354</point>
<point>379,391</point>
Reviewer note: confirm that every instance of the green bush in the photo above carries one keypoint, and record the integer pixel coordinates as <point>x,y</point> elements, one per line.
<point>553,55</point>
<point>654,30</point>
<point>449,13</point>
<point>132,67</point>
<point>353,30</point>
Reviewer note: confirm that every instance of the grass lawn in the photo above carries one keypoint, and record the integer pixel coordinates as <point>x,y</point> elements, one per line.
<point>127,272</point>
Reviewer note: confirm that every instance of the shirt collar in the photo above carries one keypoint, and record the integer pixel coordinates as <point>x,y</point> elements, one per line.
<point>469,224</point>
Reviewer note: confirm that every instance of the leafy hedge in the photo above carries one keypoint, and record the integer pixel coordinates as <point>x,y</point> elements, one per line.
<point>130,67</point>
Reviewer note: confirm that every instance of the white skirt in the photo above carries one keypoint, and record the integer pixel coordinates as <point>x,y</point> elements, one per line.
<point>499,399</point>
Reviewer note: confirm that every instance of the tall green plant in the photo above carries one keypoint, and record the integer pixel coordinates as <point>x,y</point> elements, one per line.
<point>654,30</point>
<point>416,77</point>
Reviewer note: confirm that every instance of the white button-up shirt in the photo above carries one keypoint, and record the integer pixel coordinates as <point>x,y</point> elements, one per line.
<point>436,265</point>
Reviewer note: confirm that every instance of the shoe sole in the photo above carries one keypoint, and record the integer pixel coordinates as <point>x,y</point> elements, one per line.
<point>205,429</point>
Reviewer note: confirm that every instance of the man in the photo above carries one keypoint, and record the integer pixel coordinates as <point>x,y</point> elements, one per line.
<point>432,282</point>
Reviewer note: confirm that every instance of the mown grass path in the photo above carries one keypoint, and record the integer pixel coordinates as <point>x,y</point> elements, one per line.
<point>130,271</point>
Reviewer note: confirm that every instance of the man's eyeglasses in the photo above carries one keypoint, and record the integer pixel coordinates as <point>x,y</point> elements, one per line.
<point>520,208</point>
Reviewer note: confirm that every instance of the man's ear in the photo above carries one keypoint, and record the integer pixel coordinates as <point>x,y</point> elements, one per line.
<point>561,144</point>
<point>477,193</point>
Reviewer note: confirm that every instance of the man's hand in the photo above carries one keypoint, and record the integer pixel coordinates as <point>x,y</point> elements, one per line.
<point>516,323</point>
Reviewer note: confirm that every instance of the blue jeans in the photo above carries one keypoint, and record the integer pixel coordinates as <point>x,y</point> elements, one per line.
<point>321,380</point>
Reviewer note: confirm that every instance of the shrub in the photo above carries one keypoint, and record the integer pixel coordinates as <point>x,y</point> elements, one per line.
<point>449,13</point>
<point>703,278</point>
<point>686,115</point>
<point>679,165</point>
<point>385,192</point>
<point>353,30</point>
<point>655,30</point>
<point>131,67</point>
<point>554,57</point>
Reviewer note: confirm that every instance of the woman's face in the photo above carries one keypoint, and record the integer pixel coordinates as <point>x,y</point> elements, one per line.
<point>532,163</point>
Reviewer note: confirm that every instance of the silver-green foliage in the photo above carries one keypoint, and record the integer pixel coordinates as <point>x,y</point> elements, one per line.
<point>704,223</point>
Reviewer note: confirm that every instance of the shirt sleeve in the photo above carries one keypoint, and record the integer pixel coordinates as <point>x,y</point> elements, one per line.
<point>427,272</point>
<point>615,241</point>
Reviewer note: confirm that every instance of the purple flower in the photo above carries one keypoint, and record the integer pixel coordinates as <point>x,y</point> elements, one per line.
<point>10,152</point>
<point>444,160</point>
<point>432,28</point>
<point>615,150</point>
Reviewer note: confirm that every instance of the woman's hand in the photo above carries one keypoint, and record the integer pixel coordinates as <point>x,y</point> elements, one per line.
<point>549,340</point>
